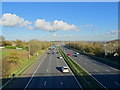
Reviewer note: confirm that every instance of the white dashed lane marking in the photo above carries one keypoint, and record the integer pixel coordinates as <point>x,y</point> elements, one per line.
<point>45,83</point>
<point>61,83</point>
<point>107,70</point>
<point>96,70</point>
<point>117,83</point>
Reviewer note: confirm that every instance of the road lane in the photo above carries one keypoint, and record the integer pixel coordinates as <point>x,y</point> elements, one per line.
<point>49,75</point>
<point>103,73</point>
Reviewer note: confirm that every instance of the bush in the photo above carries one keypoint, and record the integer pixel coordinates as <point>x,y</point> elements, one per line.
<point>88,49</point>
<point>10,47</point>
<point>98,51</point>
<point>7,43</point>
<point>13,57</point>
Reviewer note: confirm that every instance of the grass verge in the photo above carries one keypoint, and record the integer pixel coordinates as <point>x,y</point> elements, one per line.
<point>20,71</point>
<point>84,78</point>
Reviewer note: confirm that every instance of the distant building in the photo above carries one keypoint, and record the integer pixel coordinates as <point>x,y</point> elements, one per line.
<point>116,54</point>
<point>18,48</point>
<point>1,47</point>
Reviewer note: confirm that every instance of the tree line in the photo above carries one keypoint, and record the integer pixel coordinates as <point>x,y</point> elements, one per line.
<point>108,50</point>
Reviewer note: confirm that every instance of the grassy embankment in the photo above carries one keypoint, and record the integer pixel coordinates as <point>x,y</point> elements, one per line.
<point>86,80</point>
<point>13,61</point>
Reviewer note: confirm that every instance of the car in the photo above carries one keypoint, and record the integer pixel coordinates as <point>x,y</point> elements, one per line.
<point>65,69</point>
<point>69,54</point>
<point>48,53</point>
<point>75,56</point>
<point>57,52</point>
<point>76,53</point>
<point>60,57</point>
<point>53,52</point>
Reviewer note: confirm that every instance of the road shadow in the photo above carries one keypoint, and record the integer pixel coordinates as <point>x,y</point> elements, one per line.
<point>52,80</point>
<point>58,57</point>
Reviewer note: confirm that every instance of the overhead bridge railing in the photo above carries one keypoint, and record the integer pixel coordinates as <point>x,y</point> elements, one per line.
<point>85,79</point>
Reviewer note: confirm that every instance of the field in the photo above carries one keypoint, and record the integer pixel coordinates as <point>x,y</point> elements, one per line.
<point>4,53</point>
<point>12,60</point>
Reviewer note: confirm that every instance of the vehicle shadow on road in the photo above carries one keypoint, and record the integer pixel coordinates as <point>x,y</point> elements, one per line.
<point>59,69</point>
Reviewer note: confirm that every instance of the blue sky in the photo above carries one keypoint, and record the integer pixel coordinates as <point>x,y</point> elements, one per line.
<point>93,20</point>
<point>60,0</point>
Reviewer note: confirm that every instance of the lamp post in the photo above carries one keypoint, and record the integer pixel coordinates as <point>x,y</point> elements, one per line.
<point>74,45</point>
<point>69,45</point>
<point>28,51</point>
<point>105,50</point>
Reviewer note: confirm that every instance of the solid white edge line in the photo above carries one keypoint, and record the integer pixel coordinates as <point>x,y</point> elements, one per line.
<point>73,75</point>
<point>18,73</point>
<point>34,73</point>
<point>117,83</point>
<point>90,75</point>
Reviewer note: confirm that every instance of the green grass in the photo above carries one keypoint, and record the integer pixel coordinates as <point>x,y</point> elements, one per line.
<point>27,61</point>
<point>86,80</point>
<point>10,47</point>
<point>4,53</point>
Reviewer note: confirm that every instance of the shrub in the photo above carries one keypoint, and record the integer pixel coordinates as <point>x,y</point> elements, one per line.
<point>7,43</point>
<point>98,51</point>
<point>88,49</point>
<point>10,47</point>
<point>13,57</point>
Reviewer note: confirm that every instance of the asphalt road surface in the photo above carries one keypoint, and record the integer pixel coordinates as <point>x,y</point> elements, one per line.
<point>108,76</point>
<point>46,73</point>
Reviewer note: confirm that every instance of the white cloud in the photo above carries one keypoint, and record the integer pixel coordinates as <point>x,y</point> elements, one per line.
<point>53,26</point>
<point>30,27</point>
<point>87,25</point>
<point>67,36</point>
<point>61,36</point>
<point>77,30</point>
<point>54,35</point>
<point>12,20</point>
<point>115,32</point>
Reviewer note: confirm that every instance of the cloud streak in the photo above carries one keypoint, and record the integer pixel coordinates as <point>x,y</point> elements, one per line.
<point>115,32</point>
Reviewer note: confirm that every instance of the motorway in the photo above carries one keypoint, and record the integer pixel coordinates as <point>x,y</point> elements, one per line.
<point>46,73</point>
<point>108,76</point>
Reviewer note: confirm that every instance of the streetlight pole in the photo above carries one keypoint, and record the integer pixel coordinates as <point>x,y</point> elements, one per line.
<point>74,45</point>
<point>105,49</point>
<point>69,45</point>
<point>28,51</point>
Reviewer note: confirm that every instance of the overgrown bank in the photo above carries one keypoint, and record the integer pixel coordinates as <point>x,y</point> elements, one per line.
<point>15,59</point>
